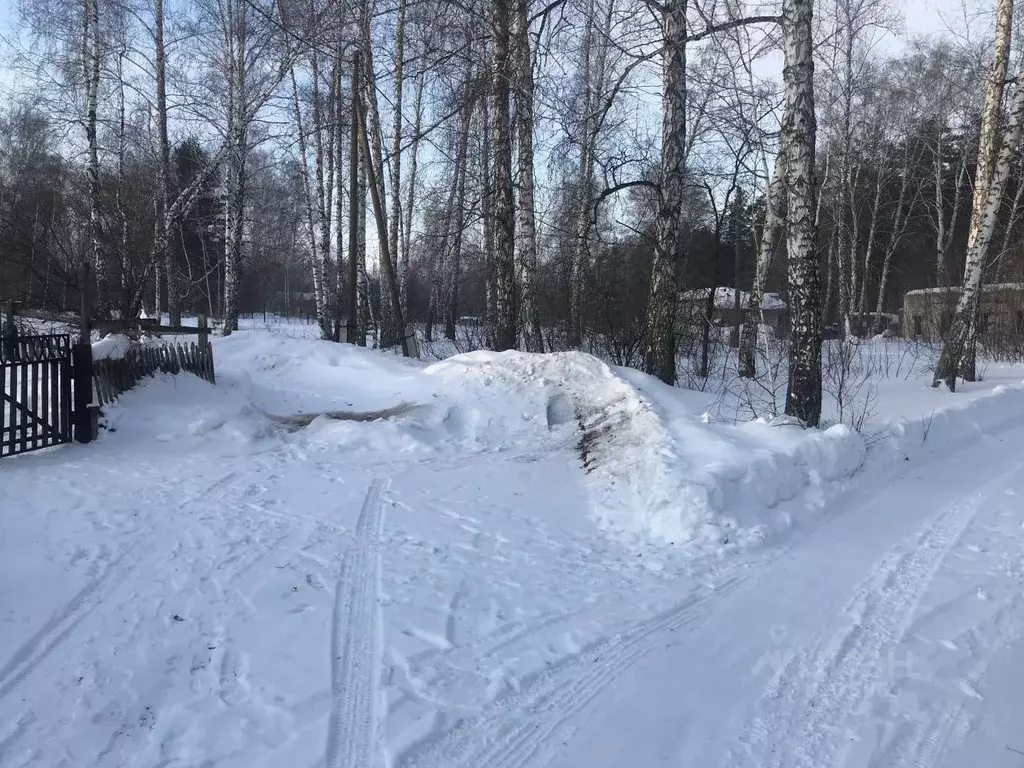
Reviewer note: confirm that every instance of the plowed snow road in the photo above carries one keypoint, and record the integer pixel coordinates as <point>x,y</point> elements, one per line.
<point>254,610</point>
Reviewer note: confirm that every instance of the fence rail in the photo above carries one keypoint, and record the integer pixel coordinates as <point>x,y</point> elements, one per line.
<point>47,382</point>
<point>112,377</point>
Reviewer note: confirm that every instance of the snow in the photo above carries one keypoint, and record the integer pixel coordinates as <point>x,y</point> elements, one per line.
<point>956,289</point>
<point>339,557</point>
<point>725,298</point>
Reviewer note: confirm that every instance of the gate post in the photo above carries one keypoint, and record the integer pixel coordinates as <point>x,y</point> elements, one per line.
<point>9,334</point>
<point>81,356</point>
<point>81,359</point>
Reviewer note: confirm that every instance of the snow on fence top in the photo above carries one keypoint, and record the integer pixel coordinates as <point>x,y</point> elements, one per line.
<point>988,287</point>
<point>725,298</point>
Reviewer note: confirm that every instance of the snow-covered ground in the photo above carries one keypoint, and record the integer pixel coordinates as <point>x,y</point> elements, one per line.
<point>337,557</point>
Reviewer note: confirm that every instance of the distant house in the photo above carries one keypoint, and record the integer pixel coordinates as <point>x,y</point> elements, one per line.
<point>694,307</point>
<point>928,312</point>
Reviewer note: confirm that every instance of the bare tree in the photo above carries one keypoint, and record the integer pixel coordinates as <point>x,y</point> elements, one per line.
<point>526,231</point>
<point>803,396</point>
<point>957,354</point>
<point>505,322</point>
<point>660,349</point>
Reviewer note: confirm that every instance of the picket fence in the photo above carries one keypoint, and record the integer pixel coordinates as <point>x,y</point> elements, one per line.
<point>112,377</point>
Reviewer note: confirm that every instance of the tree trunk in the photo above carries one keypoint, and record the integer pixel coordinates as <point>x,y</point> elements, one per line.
<point>486,214</point>
<point>235,186</point>
<point>363,280</point>
<point>899,227</point>
<point>388,331</point>
<point>394,233</point>
<point>312,212</point>
<point>771,234</point>
<point>669,252</point>
<point>91,49</point>
<point>957,347</point>
<point>389,281</point>
<point>737,306</point>
<point>503,212</point>
<point>124,299</point>
<point>339,202</point>
<point>323,141</point>
<point>584,188</point>
<point>526,232</point>
<point>869,248</point>
<point>167,254</point>
<point>354,323</point>
<point>803,396</point>
<point>456,221</point>
<point>410,198</point>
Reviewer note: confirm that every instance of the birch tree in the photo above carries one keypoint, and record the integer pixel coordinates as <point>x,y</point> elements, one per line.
<point>990,182</point>
<point>767,246</point>
<point>803,396</point>
<point>502,214</point>
<point>252,62</point>
<point>660,348</point>
<point>92,51</point>
<point>526,230</point>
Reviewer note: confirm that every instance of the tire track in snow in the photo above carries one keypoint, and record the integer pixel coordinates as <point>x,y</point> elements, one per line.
<point>353,732</point>
<point>529,727</point>
<point>817,698</point>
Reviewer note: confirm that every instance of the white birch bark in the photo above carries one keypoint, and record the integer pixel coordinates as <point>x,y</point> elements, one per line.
<point>394,232</point>
<point>502,199</point>
<point>771,236</point>
<point>526,231</point>
<point>410,199</point>
<point>387,331</point>
<point>958,344</point>
<point>669,252</point>
<point>163,192</point>
<point>91,54</point>
<point>584,185</point>
<point>803,396</point>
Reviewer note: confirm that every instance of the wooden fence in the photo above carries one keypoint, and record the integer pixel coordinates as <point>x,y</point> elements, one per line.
<point>113,376</point>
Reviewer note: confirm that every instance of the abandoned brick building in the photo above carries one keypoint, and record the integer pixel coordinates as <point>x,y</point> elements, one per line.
<point>928,312</point>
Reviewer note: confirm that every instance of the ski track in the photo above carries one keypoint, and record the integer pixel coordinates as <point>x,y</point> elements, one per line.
<point>57,630</point>
<point>124,582</point>
<point>520,729</point>
<point>354,732</point>
<point>814,703</point>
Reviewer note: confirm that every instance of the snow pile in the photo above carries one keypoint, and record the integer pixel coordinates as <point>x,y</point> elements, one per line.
<point>505,397</point>
<point>956,425</point>
<point>654,464</point>
<point>725,298</point>
<point>663,470</point>
<point>113,346</point>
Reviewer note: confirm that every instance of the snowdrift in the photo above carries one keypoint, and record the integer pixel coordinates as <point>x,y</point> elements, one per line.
<point>654,464</point>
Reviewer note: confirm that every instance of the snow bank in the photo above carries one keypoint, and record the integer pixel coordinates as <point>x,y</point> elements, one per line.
<point>113,346</point>
<point>661,469</point>
<point>725,298</point>
<point>654,464</point>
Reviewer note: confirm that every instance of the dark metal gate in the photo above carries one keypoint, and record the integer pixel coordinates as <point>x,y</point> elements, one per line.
<point>36,405</point>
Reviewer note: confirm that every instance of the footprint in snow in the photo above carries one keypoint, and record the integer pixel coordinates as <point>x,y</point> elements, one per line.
<point>314,581</point>
<point>969,690</point>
